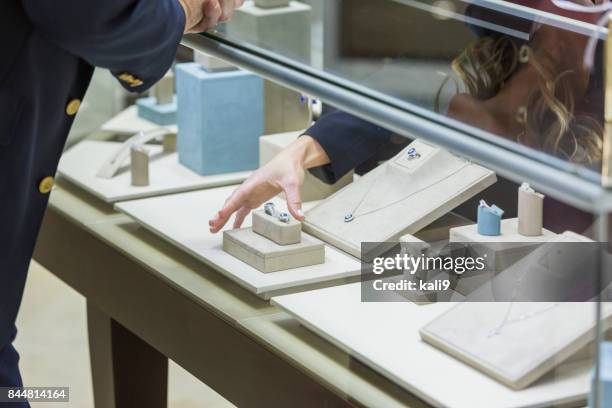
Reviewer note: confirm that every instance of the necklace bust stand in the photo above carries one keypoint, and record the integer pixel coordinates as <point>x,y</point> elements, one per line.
<point>259,22</point>
<point>404,195</point>
<point>517,342</point>
<point>313,189</point>
<point>274,243</point>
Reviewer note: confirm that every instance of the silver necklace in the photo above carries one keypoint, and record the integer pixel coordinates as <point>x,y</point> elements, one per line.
<point>506,321</point>
<point>412,154</point>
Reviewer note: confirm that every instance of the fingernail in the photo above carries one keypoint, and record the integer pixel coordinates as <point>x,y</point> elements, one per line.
<point>300,213</point>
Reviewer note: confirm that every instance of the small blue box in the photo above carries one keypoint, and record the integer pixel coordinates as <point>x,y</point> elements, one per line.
<point>161,114</point>
<point>489,219</point>
<point>605,376</point>
<point>220,119</point>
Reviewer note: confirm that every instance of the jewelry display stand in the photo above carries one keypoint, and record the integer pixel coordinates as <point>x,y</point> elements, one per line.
<point>400,197</point>
<point>530,211</point>
<point>502,250</point>
<point>313,189</point>
<point>182,219</point>
<point>82,162</point>
<point>160,108</point>
<point>267,256</point>
<point>517,342</point>
<point>281,232</point>
<point>385,337</point>
<point>139,166</point>
<point>220,119</point>
<point>283,27</point>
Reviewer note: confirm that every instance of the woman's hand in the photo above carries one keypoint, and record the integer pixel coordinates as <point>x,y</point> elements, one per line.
<point>283,173</point>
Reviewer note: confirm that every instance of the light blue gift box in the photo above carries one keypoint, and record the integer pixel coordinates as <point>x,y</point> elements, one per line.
<point>164,114</point>
<point>605,376</point>
<point>220,119</point>
<point>489,219</point>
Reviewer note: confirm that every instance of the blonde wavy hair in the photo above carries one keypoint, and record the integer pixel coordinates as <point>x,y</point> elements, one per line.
<point>549,121</point>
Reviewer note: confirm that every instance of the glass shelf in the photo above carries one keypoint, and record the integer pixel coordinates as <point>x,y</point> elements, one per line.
<point>503,83</point>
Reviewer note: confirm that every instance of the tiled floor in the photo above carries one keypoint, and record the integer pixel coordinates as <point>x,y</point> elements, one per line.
<point>52,341</point>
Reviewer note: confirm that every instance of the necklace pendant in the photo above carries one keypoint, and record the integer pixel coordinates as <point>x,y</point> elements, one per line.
<point>349,217</point>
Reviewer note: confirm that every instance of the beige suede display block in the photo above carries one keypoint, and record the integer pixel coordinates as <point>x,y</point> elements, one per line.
<point>402,196</point>
<point>502,250</point>
<point>313,189</point>
<point>284,31</point>
<point>211,63</point>
<point>275,230</point>
<point>267,256</point>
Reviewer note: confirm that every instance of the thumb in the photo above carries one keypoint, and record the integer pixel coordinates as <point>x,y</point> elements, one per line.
<point>294,200</point>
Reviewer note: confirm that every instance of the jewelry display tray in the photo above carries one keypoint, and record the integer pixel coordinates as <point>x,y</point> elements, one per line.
<point>385,337</point>
<point>80,164</point>
<point>182,219</point>
<point>440,181</point>
<point>521,351</point>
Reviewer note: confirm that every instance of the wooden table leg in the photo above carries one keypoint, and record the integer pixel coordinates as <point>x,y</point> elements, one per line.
<point>126,371</point>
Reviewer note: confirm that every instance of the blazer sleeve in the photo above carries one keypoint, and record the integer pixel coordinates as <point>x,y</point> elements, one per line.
<point>136,39</point>
<point>348,141</point>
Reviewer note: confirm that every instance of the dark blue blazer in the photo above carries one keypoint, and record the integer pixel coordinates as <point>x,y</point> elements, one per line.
<point>48,49</point>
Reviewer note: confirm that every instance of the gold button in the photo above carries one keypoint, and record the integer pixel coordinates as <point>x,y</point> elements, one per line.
<point>46,185</point>
<point>73,107</point>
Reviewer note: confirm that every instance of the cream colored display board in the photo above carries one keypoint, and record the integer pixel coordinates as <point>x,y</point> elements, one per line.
<point>518,342</point>
<point>81,163</point>
<point>313,189</point>
<point>402,196</point>
<point>502,250</point>
<point>128,122</point>
<point>183,220</point>
<point>385,336</point>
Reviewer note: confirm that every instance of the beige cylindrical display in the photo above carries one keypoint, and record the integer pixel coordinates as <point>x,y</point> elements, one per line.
<point>163,91</point>
<point>139,166</point>
<point>169,143</point>
<point>530,211</point>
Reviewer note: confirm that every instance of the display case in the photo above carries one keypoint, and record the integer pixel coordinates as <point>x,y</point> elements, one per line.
<point>506,101</point>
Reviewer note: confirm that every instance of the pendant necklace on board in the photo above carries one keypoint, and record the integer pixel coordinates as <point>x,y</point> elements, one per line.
<point>412,155</point>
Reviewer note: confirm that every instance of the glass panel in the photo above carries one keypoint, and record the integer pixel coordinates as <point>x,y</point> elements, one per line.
<point>527,75</point>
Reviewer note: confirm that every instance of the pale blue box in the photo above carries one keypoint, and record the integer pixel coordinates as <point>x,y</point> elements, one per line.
<point>605,376</point>
<point>220,119</point>
<point>160,114</point>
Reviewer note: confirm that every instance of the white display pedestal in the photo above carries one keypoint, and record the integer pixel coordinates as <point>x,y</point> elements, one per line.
<point>183,220</point>
<point>385,336</point>
<point>313,189</point>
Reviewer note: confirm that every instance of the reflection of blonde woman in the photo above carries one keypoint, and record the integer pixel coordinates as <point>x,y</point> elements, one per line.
<point>534,93</point>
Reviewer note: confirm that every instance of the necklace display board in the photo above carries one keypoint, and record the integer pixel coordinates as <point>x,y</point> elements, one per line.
<point>80,164</point>
<point>517,342</point>
<point>410,191</point>
<point>182,219</point>
<point>385,337</point>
